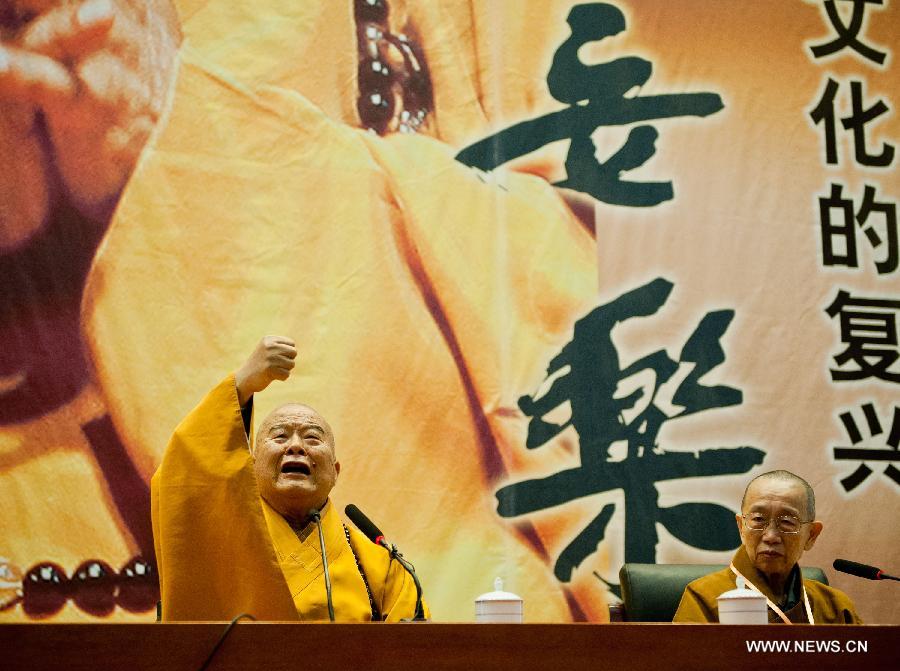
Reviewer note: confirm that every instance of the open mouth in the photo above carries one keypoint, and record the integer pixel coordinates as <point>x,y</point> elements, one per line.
<point>297,467</point>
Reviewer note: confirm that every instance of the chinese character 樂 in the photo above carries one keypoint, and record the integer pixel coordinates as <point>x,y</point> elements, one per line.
<point>586,373</point>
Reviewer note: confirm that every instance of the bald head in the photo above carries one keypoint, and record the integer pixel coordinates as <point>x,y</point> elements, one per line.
<point>291,409</point>
<point>786,476</point>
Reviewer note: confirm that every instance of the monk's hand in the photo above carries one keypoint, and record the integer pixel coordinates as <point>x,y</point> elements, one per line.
<point>273,359</point>
<point>82,85</point>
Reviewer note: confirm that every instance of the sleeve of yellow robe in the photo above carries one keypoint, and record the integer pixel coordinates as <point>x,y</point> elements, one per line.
<point>213,548</point>
<point>830,605</point>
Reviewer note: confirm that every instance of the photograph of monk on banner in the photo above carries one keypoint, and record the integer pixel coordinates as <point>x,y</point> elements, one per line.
<point>437,201</point>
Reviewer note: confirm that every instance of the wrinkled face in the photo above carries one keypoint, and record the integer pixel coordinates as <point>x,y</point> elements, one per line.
<point>294,460</point>
<point>771,552</point>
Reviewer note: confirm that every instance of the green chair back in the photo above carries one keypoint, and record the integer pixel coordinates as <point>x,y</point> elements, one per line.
<point>652,592</point>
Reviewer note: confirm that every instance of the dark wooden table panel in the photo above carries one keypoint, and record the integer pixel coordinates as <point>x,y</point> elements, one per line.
<point>435,646</point>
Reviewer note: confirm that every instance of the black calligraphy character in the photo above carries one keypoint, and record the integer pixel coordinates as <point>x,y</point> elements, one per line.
<point>863,453</point>
<point>858,120</point>
<point>848,34</point>
<point>888,211</point>
<point>839,239</point>
<point>587,374</point>
<point>824,113</point>
<point>596,95</point>
<point>869,329</point>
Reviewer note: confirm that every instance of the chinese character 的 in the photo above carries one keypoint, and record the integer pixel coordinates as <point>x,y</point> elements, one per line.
<point>839,238</point>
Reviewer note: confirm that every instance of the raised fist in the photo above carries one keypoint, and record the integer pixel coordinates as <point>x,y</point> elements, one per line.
<point>273,359</point>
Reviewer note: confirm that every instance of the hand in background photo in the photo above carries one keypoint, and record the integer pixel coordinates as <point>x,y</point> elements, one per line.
<point>82,85</point>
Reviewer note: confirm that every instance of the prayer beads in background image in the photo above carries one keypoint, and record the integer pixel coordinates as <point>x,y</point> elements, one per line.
<point>95,588</point>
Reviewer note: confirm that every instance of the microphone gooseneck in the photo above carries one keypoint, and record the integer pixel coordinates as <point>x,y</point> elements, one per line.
<point>861,570</point>
<point>317,518</point>
<point>373,533</point>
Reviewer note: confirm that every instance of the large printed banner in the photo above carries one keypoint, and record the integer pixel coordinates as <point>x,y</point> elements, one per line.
<point>563,277</point>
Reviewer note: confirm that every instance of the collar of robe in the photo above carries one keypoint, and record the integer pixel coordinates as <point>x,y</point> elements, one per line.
<point>743,560</point>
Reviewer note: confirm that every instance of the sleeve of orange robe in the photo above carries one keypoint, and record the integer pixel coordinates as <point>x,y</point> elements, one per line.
<point>694,608</point>
<point>213,548</point>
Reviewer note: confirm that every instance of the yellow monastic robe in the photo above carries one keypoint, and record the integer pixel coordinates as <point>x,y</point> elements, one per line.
<point>223,551</point>
<point>698,604</point>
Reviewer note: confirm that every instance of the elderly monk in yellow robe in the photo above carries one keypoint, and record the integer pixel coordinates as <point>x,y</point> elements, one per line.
<point>235,525</point>
<point>777,524</point>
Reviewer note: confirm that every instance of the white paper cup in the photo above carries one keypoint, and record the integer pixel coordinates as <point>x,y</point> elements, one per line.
<point>749,608</point>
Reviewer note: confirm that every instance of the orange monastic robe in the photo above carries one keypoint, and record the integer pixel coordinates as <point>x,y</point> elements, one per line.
<point>223,551</point>
<point>699,601</point>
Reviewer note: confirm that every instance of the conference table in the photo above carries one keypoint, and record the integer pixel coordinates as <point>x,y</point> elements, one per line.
<point>272,646</point>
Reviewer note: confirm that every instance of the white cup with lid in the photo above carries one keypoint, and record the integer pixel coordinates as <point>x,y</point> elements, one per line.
<point>742,606</point>
<point>499,606</point>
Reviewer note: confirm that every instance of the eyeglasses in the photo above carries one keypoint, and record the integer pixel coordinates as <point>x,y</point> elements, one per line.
<point>786,524</point>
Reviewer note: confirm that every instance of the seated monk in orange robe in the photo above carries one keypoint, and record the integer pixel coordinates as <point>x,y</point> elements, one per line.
<point>777,524</point>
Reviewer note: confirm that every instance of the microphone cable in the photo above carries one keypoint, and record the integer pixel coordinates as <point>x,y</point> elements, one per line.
<point>318,519</point>
<point>419,615</point>
<point>222,638</point>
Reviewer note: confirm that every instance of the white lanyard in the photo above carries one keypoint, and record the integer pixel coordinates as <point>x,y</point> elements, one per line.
<point>771,605</point>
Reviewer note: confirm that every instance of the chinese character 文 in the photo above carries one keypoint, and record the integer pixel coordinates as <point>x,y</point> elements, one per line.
<point>586,373</point>
<point>824,113</point>
<point>596,98</point>
<point>869,330</point>
<point>848,34</point>
<point>839,238</point>
<point>863,453</point>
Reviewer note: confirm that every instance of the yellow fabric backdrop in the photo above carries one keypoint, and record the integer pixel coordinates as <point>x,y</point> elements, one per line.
<point>426,298</point>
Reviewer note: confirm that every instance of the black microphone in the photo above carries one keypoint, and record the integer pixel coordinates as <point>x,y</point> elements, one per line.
<point>373,533</point>
<point>366,525</point>
<point>861,570</point>
<point>318,520</point>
